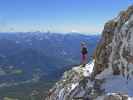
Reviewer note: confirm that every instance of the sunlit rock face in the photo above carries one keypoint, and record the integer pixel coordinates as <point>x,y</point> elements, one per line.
<point>110,75</point>
<point>115,49</point>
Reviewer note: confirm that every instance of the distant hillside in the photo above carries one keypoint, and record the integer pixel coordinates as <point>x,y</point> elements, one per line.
<point>48,52</point>
<point>28,57</point>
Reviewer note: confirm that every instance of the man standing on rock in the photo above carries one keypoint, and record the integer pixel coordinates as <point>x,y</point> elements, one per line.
<point>84,54</point>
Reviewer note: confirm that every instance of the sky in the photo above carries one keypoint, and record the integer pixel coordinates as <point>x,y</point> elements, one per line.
<point>86,16</point>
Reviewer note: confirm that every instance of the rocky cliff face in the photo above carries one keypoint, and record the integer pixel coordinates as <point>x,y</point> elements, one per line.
<point>110,75</point>
<point>116,45</point>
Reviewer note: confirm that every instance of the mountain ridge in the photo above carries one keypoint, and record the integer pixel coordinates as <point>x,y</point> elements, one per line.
<point>112,66</point>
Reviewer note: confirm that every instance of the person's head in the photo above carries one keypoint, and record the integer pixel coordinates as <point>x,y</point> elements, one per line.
<point>83,44</point>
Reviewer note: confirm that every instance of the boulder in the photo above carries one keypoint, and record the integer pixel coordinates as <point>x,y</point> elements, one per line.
<point>116,96</point>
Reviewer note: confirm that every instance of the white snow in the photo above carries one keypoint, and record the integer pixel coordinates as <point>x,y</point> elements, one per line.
<point>130,98</point>
<point>73,86</point>
<point>87,70</point>
<point>118,84</point>
<point>75,68</point>
<point>61,94</point>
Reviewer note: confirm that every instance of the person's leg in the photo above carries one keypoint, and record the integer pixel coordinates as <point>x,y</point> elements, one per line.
<point>86,58</point>
<point>83,60</point>
<point>82,57</point>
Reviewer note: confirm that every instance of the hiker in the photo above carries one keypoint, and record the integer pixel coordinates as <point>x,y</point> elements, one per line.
<point>84,54</point>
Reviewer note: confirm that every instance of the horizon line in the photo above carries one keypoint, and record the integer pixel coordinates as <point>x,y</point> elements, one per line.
<point>85,33</point>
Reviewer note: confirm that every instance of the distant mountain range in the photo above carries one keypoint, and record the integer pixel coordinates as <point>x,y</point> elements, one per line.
<point>29,57</point>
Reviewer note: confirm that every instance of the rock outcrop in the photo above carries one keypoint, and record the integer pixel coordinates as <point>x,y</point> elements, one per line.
<point>116,44</point>
<point>75,84</point>
<point>111,71</point>
<point>115,96</point>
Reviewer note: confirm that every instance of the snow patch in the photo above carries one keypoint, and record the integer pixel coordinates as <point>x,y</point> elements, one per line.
<point>118,84</point>
<point>61,94</point>
<point>73,86</point>
<point>88,69</point>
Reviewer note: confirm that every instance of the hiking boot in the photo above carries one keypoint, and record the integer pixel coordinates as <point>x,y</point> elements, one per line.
<point>83,65</point>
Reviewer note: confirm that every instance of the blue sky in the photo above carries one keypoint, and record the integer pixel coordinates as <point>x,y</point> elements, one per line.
<point>58,15</point>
